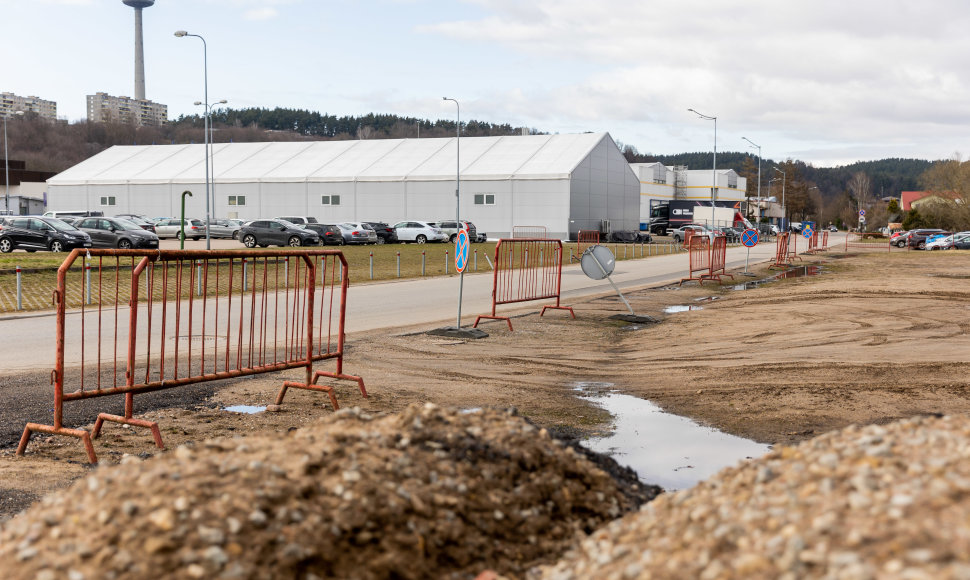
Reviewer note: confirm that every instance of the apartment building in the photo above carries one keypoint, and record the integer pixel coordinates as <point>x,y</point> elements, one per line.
<point>104,108</point>
<point>11,103</point>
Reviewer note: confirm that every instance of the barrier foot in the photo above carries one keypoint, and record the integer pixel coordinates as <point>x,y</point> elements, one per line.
<point>505,318</point>
<point>569,308</point>
<point>698,280</point>
<point>341,376</point>
<point>311,387</point>
<point>81,434</point>
<point>156,434</point>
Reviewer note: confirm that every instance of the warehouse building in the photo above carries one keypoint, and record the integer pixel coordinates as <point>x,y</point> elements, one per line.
<point>563,182</point>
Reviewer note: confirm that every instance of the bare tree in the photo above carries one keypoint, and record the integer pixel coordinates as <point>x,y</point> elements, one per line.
<point>861,187</point>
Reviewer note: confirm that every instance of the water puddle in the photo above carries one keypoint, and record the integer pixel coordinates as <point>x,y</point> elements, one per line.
<point>796,272</point>
<point>707,299</point>
<point>682,308</point>
<point>247,409</point>
<point>667,450</point>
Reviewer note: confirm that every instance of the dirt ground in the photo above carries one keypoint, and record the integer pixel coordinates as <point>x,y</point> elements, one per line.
<point>874,338</point>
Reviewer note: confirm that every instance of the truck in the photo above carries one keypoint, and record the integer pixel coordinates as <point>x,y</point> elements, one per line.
<point>672,214</point>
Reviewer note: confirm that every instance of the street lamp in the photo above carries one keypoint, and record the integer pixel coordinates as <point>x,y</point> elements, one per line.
<point>784,208</point>
<point>209,150</point>
<point>714,169</point>
<point>759,165</point>
<point>205,80</point>
<point>461,275</point>
<point>6,161</point>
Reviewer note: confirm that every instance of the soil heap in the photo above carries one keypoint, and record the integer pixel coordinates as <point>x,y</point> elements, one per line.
<point>875,502</point>
<point>426,493</point>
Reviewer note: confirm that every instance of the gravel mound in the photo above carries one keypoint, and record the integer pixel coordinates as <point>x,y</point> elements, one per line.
<point>874,502</point>
<point>427,493</point>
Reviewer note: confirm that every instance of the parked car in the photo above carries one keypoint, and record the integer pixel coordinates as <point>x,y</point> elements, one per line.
<point>833,229</point>
<point>172,228</point>
<point>72,213</point>
<point>299,220</point>
<point>680,233</point>
<point>224,229</point>
<point>733,235</point>
<point>419,232</point>
<point>939,242</point>
<point>357,233</point>
<point>107,232</point>
<point>917,238</point>
<point>274,232</point>
<point>140,220</point>
<point>40,233</point>
<point>961,241</point>
<point>385,233</point>
<point>329,234</point>
<point>450,229</point>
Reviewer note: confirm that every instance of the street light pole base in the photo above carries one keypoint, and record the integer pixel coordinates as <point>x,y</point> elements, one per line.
<point>455,332</point>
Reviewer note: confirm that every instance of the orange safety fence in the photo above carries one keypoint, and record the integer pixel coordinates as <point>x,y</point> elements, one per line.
<point>793,247</point>
<point>860,243</point>
<point>782,259</point>
<point>534,232</point>
<point>700,258</point>
<point>585,239</point>
<point>143,321</point>
<point>718,260</point>
<point>525,270</point>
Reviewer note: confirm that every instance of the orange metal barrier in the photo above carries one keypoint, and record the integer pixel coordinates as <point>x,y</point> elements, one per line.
<point>782,256</point>
<point>700,259</point>
<point>718,260</point>
<point>525,270</point>
<point>585,239</point>
<point>688,236</point>
<point>533,232</point>
<point>824,246</point>
<point>858,243</point>
<point>793,247</point>
<point>144,321</point>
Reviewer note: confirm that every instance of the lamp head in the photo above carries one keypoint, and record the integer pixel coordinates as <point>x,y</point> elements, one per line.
<point>180,33</point>
<point>197,103</point>
<point>222,102</point>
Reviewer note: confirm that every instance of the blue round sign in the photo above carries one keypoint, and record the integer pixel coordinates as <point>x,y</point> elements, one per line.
<point>461,250</point>
<point>808,231</point>
<point>749,238</point>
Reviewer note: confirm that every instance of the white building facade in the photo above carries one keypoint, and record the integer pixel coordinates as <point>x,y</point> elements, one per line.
<point>562,182</point>
<point>661,184</point>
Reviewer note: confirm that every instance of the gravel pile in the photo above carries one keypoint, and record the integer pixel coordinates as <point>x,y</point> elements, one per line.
<point>427,493</point>
<point>874,502</point>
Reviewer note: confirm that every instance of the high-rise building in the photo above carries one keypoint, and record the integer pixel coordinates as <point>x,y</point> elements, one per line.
<point>11,103</point>
<point>104,108</point>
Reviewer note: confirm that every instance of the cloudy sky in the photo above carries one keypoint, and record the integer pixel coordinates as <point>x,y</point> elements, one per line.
<point>829,82</point>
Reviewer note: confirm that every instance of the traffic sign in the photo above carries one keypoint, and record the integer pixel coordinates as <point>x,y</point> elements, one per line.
<point>862,212</point>
<point>461,250</point>
<point>808,231</point>
<point>749,238</point>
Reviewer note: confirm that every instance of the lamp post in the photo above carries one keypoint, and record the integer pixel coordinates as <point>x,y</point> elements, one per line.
<point>784,208</point>
<point>461,276</point>
<point>714,168</point>
<point>209,149</point>
<point>6,162</point>
<point>205,81</point>
<point>759,165</point>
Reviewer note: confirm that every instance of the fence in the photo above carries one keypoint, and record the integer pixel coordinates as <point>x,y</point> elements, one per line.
<point>145,321</point>
<point>793,248</point>
<point>718,259</point>
<point>860,243</point>
<point>782,256</point>
<point>534,232</point>
<point>585,239</point>
<point>700,258</point>
<point>525,270</point>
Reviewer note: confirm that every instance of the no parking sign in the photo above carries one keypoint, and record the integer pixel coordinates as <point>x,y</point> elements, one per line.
<point>461,251</point>
<point>749,238</point>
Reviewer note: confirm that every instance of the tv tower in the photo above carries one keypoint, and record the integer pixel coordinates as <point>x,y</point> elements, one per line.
<point>139,51</point>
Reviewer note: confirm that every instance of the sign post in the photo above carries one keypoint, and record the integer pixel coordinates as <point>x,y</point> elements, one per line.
<point>749,239</point>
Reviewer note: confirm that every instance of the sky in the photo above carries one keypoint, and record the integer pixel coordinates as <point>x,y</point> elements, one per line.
<point>828,82</point>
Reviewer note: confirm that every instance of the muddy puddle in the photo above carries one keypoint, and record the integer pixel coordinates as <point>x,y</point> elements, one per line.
<point>664,449</point>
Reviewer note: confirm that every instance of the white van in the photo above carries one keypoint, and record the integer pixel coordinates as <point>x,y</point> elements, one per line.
<point>73,213</point>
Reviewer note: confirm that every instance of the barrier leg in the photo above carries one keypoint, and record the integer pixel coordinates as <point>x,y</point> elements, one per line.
<point>309,387</point>
<point>505,318</point>
<point>81,434</point>
<point>128,419</point>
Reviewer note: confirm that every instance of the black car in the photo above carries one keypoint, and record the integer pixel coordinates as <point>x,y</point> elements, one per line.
<point>330,234</point>
<point>264,233</point>
<point>40,233</point>
<point>386,234</point>
<point>917,238</point>
<point>732,234</point>
<point>107,232</point>
<point>139,220</point>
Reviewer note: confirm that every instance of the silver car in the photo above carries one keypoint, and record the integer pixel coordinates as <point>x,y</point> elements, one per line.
<point>172,228</point>
<point>224,229</point>
<point>357,233</point>
<point>419,232</point>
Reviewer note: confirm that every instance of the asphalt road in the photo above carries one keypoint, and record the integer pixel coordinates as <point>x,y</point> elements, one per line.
<point>28,353</point>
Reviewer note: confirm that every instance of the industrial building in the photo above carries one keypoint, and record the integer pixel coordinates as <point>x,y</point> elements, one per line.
<point>563,182</point>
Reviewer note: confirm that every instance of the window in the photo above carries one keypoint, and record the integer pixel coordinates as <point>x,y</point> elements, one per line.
<point>484,199</point>
<point>237,200</point>
<point>329,200</point>
<point>107,200</point>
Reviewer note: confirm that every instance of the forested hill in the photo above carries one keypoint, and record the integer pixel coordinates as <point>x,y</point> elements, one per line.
<point>889,176</point>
